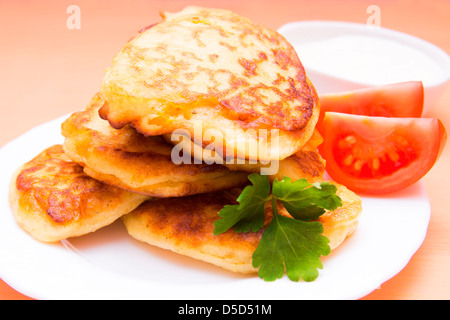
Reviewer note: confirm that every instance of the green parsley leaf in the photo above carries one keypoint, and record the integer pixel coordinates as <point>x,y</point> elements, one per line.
<point>304,201</point>
<point>249,213</point>
<point>294,244</point>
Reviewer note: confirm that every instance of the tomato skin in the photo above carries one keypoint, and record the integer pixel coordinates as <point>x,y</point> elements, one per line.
<point>404,99</point>
<point>380,155</point>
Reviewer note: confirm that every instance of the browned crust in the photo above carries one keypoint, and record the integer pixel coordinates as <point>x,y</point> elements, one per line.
<point>189,220</point>
<point>186,225</point>
<point>267,87</point>
<point>60,187</point>
<point>132,161</point>
<point>53,199</point>
<point>310,163</point>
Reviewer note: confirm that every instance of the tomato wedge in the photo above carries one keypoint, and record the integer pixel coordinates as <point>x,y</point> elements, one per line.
<point>404,99</point>
<point>379,155</point>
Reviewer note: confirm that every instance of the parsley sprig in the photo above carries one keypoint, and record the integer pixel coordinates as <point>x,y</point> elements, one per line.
<point>292,244</point>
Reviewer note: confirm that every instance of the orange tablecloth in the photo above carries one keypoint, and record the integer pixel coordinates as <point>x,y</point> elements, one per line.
<point>48,70</point>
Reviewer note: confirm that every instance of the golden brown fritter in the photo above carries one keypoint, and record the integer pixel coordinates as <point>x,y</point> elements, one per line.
<point>130,160</point>
<point>53,199</point>
<point>185,226</point>
<point>215,68</point>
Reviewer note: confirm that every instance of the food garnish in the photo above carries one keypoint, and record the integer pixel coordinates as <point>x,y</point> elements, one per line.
<point>294,243</point>
<point>403,99</point>
<point>380,155</point>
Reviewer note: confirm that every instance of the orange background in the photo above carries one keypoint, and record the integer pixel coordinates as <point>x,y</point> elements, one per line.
<point>47,70</point>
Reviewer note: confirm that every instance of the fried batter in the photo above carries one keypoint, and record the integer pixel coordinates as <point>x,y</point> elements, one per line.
<point>215,68</point>
<point>53,199</point>
<point>132,161</point>
<point>185,226</point>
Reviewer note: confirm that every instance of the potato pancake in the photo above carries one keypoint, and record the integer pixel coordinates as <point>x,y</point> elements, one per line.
<point>185,226</point>
<point>53,199</point>
<point>132,161</point>
<point>213,69</point>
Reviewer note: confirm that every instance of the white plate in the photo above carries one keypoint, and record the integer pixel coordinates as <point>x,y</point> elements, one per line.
<point>108,264</point>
